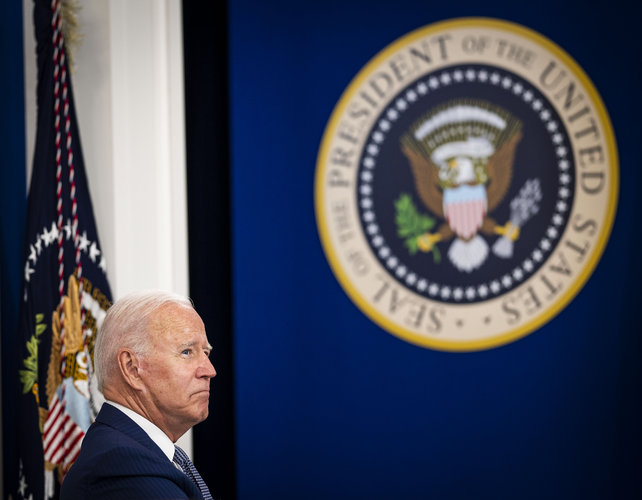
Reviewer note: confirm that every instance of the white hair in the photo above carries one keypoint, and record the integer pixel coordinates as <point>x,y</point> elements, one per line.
<point>126,325</point>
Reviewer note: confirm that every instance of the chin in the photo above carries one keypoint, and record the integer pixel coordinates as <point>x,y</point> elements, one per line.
<point>201,417</point>
<point>204,412</point>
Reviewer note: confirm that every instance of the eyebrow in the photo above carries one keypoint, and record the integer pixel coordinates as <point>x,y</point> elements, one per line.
<point>194,344</point>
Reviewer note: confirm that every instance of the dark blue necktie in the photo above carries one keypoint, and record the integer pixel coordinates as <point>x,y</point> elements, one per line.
<point>181,458</point>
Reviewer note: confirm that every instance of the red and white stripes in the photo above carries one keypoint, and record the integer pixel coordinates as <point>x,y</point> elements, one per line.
<point>61,436</point>
<point>465,217</point>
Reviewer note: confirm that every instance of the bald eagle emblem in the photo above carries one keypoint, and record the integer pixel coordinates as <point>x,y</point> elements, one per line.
<point>461,155</point>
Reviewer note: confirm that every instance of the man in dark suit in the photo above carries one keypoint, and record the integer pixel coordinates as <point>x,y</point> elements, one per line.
<point>152,365</point>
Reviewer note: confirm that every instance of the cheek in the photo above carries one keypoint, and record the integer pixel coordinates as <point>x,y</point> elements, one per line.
<point>169,381</point>
<point>157,376</point>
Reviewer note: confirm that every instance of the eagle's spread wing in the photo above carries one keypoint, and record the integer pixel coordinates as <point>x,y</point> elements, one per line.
<point>500,171</point>
<point>426,180</point>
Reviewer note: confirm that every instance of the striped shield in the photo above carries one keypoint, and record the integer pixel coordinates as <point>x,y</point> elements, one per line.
<point>62,437</point>
<point>464,208</point>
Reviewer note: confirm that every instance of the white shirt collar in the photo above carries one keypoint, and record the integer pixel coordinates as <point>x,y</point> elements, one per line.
<point>158,436</point>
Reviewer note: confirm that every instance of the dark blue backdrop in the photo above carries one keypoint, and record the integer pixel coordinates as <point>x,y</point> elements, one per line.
<point>13,204</point>
<point>328,405</point>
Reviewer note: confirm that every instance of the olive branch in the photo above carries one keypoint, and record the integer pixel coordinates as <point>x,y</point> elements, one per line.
<point>411,224</point>
<point>29,376</point>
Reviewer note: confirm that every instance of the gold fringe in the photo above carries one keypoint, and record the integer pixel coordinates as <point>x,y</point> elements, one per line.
<point>42,418</point>
<point>54,378</point>
<point>71,29</point>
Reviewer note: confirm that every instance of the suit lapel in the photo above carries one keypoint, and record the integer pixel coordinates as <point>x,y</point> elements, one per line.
<point>113,417</point>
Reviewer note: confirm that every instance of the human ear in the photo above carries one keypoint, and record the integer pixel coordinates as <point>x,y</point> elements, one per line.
<point>129,365</point>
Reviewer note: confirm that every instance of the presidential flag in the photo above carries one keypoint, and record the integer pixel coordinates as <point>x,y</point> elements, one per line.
<point>65,291</point>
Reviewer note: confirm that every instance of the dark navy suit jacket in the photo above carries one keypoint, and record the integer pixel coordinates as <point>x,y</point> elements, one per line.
<point>118,460</point>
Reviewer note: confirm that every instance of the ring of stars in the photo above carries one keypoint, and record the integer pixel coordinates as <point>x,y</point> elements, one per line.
<point>51,237</point>
<point>562,205</point>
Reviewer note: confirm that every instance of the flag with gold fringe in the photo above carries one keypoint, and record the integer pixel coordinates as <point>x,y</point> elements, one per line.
<point>65,290</point>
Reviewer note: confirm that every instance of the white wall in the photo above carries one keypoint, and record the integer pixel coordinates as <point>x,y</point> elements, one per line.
<point>128,86</point>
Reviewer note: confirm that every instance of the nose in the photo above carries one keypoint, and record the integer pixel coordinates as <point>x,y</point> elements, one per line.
<point>206,370</point>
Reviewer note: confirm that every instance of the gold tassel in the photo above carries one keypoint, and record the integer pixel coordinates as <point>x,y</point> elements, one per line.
<point>71,29</point>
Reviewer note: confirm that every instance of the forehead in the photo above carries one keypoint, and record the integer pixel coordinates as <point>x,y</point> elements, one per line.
<point>175,323</point>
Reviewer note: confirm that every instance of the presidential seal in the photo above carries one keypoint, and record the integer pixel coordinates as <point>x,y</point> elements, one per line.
<point>466,184</point>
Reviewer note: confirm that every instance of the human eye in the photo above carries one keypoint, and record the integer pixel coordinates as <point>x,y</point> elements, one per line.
<point>187,352</point>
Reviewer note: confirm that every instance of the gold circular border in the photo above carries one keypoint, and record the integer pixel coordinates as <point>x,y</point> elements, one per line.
<point>587,270</point>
